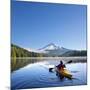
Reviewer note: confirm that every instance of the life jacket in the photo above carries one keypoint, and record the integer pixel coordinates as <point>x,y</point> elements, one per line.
<point>60,66</point>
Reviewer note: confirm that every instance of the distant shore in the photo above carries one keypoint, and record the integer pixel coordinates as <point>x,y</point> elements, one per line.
<point>74,59</point>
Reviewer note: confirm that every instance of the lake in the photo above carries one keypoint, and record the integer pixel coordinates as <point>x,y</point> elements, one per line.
<point>35,73</point>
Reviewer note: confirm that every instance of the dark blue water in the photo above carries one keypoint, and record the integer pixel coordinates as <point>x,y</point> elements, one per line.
<point>37,76</point>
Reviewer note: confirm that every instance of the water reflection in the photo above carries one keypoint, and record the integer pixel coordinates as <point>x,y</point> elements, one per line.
<point>19,63</point>
<point>36,76</point>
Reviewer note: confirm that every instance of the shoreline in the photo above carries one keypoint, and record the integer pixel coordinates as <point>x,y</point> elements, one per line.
<point>74,59</point>
<point>80,57</point>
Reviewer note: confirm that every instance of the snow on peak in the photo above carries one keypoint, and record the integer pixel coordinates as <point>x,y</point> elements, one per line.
<point>50,46</point>
<point>50,49</point>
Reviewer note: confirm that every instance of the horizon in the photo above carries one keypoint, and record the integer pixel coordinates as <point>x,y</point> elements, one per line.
<point>36,24</point>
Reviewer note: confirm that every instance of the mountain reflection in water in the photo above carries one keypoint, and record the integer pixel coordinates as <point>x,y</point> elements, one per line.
<point>35,74</point>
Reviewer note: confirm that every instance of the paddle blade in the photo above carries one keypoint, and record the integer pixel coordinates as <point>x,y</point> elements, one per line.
<point>51,69</point>
<point>69,61</point>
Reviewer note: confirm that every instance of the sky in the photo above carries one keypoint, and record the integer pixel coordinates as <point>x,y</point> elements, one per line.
<point>34,25</point>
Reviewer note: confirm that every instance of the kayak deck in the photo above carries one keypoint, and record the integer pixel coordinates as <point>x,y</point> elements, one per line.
<point>64,73</point>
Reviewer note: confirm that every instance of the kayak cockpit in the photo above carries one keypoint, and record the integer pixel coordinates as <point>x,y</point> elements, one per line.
<point>63,73</point>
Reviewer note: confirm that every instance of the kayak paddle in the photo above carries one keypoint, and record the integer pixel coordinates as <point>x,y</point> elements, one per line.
<point>50,69</point>
<point>69,62</point>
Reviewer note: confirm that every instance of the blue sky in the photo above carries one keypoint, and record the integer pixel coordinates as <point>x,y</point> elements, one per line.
<point>35,25</point>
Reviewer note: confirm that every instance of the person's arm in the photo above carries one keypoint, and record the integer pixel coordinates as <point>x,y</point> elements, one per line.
<point>64,66</point>
<point>58,65</point>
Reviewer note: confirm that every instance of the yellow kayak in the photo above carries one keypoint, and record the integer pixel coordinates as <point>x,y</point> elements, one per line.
<point>65,73</point>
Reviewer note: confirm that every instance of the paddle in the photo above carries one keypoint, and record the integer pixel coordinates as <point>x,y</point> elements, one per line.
<point>50,69</point>
<point>69,62</point>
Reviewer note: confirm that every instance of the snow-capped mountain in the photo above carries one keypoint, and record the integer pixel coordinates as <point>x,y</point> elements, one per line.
<point>51,49</point>
<point>50,46</point>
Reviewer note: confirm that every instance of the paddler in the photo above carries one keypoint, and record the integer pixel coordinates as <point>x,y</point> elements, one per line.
<point>61,65</point>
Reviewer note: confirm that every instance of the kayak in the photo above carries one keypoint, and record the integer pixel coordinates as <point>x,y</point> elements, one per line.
<point>64,73</point>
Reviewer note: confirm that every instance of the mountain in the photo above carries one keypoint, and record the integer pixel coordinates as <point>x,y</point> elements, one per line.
<point>48,50</point>
<point>75,53</point>
<point>53,50</point>
<point>50,46</point>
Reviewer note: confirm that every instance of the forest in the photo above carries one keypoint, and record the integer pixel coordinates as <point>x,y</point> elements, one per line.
<point>17,51</point>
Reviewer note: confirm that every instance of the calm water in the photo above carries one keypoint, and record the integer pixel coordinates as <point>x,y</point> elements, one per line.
<point>36,75</point>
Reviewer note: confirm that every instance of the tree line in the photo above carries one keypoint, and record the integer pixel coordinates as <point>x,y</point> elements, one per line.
<point>75,53</point>
<point>17,51</point>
